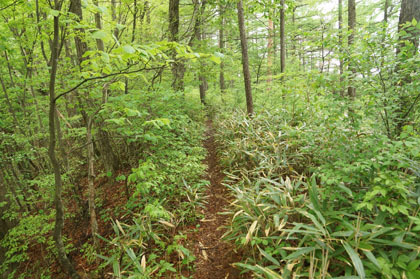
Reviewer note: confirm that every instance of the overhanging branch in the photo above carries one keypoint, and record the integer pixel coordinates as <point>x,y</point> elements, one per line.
<point>121,72</point>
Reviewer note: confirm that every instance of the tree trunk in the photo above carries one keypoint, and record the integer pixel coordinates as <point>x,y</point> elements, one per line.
<point>91,185</point>
<point>111,161</point>
<point>322,47</point>
<point>79,41</point>
<point>340,45</point>
<point>386,7</point>
<point>201,36</point>
<point>282,41</point>
<point>133,36</point>
<point>178,67</point>
<point>270,53</point>
<point>351,90</point>
<point>59,218</point>
<point>98,23</point>
<point>410,9</point>
<point>114,16</point>
<point>245,62</point>
<point>222,83</point>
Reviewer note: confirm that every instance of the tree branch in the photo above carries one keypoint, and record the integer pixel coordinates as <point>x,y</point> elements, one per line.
<point>122,72</point>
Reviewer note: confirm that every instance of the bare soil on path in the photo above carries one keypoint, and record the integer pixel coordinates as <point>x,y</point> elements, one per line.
<point>214,256</point>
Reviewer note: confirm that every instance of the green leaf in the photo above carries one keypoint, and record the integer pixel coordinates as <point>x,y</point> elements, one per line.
<point>129,49</point>
<point>101,9</point>
<point>246,266</point>
<point>412,266</point>
<point>100,35</point>
<point>269,257</point>
<point>120,26</point>
<point>219,54</point>
<point>357,263</point>
<point>345,189</point>
<point>54,13</point>
<point>116,268</point>
<point>215,59</point>
<point>299,252</point>
<point>372,258</point>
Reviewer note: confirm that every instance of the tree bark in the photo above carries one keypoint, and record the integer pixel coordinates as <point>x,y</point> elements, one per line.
<point>114,16</point>
<point>351,90</point>
<point>222,83</point>
<point>98,22</point>
<point>91,180</point>
<point>270,53</point>
<point>200,36</point>
<point>245,60</point>
<point>340,45</point>
<point>59,218</point>
<point>282,41</point>
<point>81,46</point>
<point>178,67</point>
<point>410,9</point>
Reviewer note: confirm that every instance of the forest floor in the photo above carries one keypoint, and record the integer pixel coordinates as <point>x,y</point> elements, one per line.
<point>214,256</point>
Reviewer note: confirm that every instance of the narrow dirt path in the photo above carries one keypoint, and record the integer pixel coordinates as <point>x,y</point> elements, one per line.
<point>214,256</point>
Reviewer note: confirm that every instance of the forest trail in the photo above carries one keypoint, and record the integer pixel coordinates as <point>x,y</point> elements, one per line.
<point>214,256</point>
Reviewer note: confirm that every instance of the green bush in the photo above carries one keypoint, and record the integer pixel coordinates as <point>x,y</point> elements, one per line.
<point>319,199</point>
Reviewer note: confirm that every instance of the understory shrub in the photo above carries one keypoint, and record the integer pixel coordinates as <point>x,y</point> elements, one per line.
<point>320,199</point>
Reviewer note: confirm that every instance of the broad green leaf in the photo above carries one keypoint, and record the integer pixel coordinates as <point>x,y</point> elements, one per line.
<point>54,13</point>
<point>413,265</point>
<point>215,59</point>
<point>100,35</point>
<point>357,263</point>
<point>129,49</point>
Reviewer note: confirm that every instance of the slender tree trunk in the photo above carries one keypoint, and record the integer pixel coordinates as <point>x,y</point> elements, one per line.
<point>322,48</point>
<point>340,45</point>
<point>178,67</point>
<point>79,41</point>
<point>98,23</point>
<point>351,90</point>
<point>282,41</point>
<point>111,161</point>
<point>294,48</point>
<point>201,36</point>
<point>114,16</point>
<point>91,180</point>
<point>133,36</point>
<point>60,141</point>
<point>270,53</point>
<point>222,83</point>
<point>59,218</point>
<point>245,60</point>
<point>386,7</point>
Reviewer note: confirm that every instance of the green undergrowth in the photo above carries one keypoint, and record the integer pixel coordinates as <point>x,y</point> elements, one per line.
<point>166,189</point>
<point>321,195</point>
<point>157,136</point>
